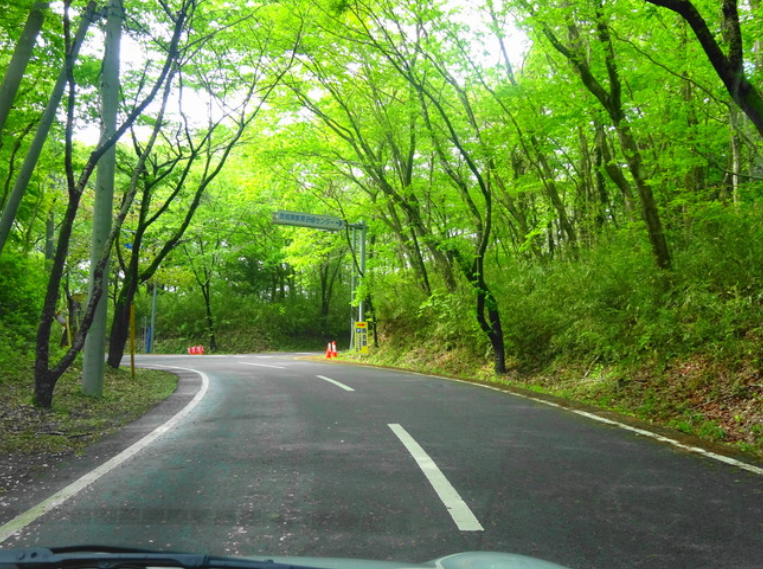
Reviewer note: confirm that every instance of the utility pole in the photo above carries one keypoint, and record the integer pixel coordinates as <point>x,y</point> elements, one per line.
<point>353,246</point>
<point>358,244</point>
<point>93,364</point>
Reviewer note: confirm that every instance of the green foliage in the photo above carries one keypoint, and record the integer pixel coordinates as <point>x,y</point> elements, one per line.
<point>611,305</point>
<point>392,113</point>
<point>22,287</point>
<point>243,325</point>
<point>611,329</point>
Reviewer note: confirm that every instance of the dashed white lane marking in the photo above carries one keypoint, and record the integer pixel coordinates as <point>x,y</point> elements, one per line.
<point>261,365</point>
<point>23,520</point>
<point>457,508</point>
<point>335,382</point>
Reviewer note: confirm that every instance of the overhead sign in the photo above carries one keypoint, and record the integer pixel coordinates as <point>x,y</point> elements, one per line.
<point>301,219</point>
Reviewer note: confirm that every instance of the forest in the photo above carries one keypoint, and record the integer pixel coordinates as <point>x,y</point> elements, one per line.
<point>560,195</point>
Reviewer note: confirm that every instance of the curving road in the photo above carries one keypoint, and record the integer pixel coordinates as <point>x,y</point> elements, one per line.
<point>281,456</point>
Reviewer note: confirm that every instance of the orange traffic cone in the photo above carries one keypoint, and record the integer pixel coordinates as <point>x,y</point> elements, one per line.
<point>333,350</point>
<point>201,350</point>
<point>189,351</point>
<point>328,351</point>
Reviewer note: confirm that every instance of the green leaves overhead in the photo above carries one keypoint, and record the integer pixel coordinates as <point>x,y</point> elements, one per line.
<point>469,136</point>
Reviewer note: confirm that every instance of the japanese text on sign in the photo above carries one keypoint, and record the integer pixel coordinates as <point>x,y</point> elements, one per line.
<point>300,219</point>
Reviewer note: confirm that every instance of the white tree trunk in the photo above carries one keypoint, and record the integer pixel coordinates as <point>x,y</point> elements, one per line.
<point>95,345</point>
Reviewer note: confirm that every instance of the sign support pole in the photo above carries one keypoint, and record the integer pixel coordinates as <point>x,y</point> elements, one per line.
<point>353,248</point>
<point>362,268</point>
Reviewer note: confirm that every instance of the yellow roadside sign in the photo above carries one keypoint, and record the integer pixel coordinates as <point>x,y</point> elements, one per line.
<point>361,338</point>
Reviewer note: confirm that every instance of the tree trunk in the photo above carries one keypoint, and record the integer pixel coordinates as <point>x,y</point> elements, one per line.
<point>45,379</point>
<point>547,175</point>
<point>50,229</point>
<point>11,168</point>
<point>494,330</point>
<point>120,323</point>
<point>93,364</point>
<point>613,170</point>
<point>206,293</point>
<point>48,116</point>
<point>648,204</point>
<point>735,148</point>
<point>486,311</point>
<point>21,56</point>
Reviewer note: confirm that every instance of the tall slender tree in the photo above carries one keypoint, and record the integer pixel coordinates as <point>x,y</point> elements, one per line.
<point>93,360</point>
<point>21,56</point>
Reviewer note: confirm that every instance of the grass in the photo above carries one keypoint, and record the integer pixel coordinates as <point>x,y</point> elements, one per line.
<point>31,436</point>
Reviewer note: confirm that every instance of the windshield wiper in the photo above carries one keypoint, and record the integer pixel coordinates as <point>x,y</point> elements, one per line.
<point>104,557</point>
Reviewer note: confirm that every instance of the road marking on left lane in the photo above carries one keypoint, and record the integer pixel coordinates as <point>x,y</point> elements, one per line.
<point>23,520</point>
<point>457,508</point>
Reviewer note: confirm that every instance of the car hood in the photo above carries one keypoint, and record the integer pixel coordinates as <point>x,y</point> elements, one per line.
<point>467,560</point>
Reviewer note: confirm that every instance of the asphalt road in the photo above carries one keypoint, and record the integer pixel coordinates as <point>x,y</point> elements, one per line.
<point>283,456</point>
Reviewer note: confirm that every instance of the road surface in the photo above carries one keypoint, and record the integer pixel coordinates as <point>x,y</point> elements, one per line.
<point>282,456</point>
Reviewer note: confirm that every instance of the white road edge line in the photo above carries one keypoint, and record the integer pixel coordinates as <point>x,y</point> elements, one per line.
<point>667,440</point>
<point>261,365</point>
<point>23,520</point>
<point>335,382</point>
<point>457,508</point>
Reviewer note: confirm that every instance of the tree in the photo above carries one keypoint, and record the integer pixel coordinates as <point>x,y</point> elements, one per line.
<point>611,100</point>
<point>189,161</point>
<point>730,66</point>
<point>43,128</point>
<point>21,56</point>
<point>46,376</point>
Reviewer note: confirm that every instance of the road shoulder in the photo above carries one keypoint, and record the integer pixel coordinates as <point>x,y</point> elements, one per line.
<point>56,472</point>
